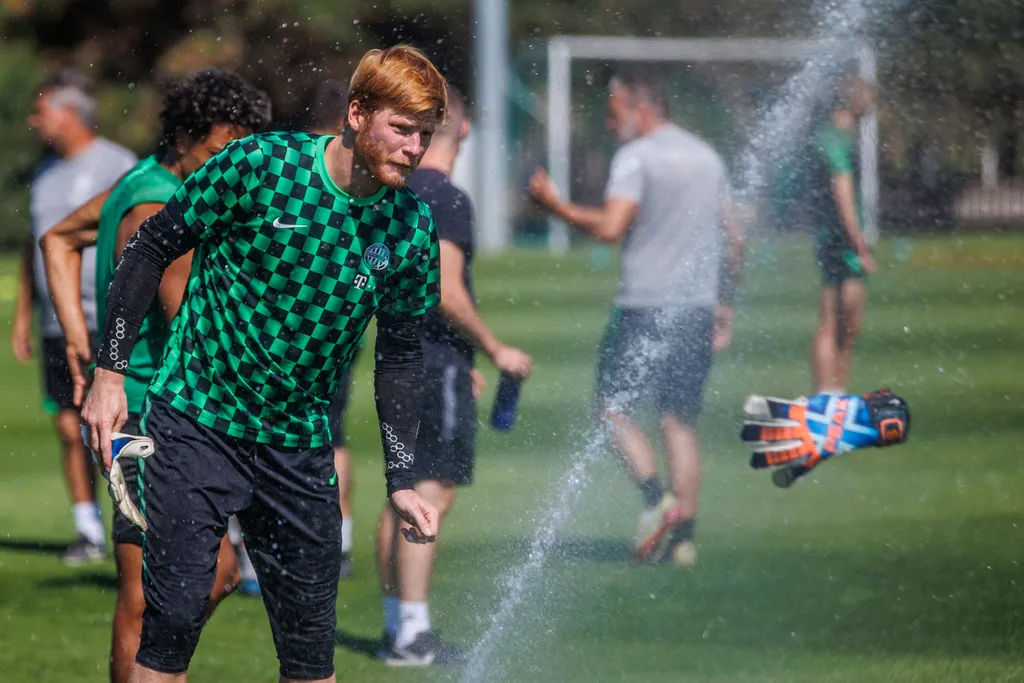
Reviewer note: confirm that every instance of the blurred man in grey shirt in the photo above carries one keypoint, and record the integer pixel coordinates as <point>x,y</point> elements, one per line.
<point>667,201</point>
<point>81,165</point>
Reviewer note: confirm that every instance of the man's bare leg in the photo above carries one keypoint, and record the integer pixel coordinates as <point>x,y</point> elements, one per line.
<point>682,450</point>
<point>638,454</point>
<point>80,476</point>
<point>825,350</point>
<point>141,674</point>
<point>406,568</point>
<point>343,466</point>
<point>77,466</point>
<point>853,295</point>
<point>127,612</point>
<point>683,454</point>
<point>387,535</point>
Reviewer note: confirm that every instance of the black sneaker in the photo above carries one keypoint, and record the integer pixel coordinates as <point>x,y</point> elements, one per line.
<point>346,567</point>
<point>426,650</point>
<point>83,551</point>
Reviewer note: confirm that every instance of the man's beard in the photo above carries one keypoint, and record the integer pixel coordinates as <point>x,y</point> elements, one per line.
<point>375,160</point>
<point>628,130</point>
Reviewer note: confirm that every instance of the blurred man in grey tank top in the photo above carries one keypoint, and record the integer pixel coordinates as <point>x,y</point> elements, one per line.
<point>667,202</point>
<point>80,165</point>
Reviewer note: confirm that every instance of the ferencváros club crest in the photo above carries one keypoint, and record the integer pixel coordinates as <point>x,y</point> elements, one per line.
<point>377,256</point>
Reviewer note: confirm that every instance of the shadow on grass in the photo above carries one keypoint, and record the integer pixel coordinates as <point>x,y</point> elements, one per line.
<point>89,579</point>
<point>357,644</point>
<point>28,545</point>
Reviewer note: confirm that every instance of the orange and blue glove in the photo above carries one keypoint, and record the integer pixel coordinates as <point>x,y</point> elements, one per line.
<point>796,436</point>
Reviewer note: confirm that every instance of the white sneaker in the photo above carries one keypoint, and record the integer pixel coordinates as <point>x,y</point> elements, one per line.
<point>684,554</point>
<point>653,528</point>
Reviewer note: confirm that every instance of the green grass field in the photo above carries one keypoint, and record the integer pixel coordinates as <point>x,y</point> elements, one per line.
<point>903,564</point>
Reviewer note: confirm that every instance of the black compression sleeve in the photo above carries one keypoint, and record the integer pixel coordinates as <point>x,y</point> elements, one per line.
<point>159,241</point>
<point>398,391</point>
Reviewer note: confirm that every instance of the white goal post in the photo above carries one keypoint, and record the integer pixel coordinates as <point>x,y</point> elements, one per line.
<point>563,49</point>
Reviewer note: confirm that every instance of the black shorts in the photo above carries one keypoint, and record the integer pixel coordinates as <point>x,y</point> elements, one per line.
<point>339,405</point>
<point>58,390</point>
<point>446,442</point>
<point>656,353</point>
<point>838,263</point>
<point>122,530</point>
<point>286,501</point>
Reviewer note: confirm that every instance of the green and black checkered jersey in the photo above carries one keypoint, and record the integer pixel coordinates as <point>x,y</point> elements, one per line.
<point>287,272</point>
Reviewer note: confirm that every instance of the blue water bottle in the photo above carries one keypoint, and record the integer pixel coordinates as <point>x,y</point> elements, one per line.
<point>506,402</point>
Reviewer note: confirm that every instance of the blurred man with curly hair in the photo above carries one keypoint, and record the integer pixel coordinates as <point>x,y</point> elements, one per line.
<point>201,114</point>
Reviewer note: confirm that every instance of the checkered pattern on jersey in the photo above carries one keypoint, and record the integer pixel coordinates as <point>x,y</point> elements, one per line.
<point>285,281</point>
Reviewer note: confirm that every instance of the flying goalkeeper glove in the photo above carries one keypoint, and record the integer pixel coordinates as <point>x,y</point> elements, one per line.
<point>798,435</point>
<point>124,446</point>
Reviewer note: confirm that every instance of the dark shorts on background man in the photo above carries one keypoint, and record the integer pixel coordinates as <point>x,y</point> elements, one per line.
<point>446,443</point>
<point>838,263</point>
<point>58,389</point>
<point>659,355</point>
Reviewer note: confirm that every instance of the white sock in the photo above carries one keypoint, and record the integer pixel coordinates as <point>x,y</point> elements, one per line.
<point>833,391</point>
<point>415,618</point>
<point>87,522</point>
<point>245,567</point>
<point>346,535</point>
<point>392,617</point>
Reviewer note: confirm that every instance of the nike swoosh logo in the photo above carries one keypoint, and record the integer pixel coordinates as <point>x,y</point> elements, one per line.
<point>333,479</point>
<point>278,224</point>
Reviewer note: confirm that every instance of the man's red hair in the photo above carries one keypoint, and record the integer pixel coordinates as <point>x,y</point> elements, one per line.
<point>400,77</point>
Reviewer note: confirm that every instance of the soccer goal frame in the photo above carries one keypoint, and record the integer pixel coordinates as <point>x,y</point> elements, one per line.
<point>562,50</point>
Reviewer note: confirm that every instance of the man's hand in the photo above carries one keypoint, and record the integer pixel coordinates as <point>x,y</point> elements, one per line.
<point>479,383</point>
<point>542,189</point>
<point>511,361</point>
<point>79,357</point>
<point>867,261</point>
<point>21,339</point>
<point>722,335</point>
<point>105,412</point>
<point>421,515</point>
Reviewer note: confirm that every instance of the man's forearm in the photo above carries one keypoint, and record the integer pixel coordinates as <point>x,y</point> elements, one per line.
<point>64,276</point>
<point>159,241</point>
<point>458,309</point>
<point>398,394</point>
<point>79,228</point>
<point>26,291</point>
<point>590,220</point>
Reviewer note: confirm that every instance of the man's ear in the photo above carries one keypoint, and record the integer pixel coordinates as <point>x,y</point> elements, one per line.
<point>465,128</point>
<point>357,115</point>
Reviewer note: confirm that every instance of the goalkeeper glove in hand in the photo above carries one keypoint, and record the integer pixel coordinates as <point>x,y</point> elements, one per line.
<point>124,446</point>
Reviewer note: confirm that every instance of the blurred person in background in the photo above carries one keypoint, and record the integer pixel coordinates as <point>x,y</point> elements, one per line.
<point>80,165</point>
<point>841,249</point>
<point>201,113</point>
<point>451,336</point>
<point>667,202</point>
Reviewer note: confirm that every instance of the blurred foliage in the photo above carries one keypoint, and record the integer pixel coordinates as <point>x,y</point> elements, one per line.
<point>952,70</point>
